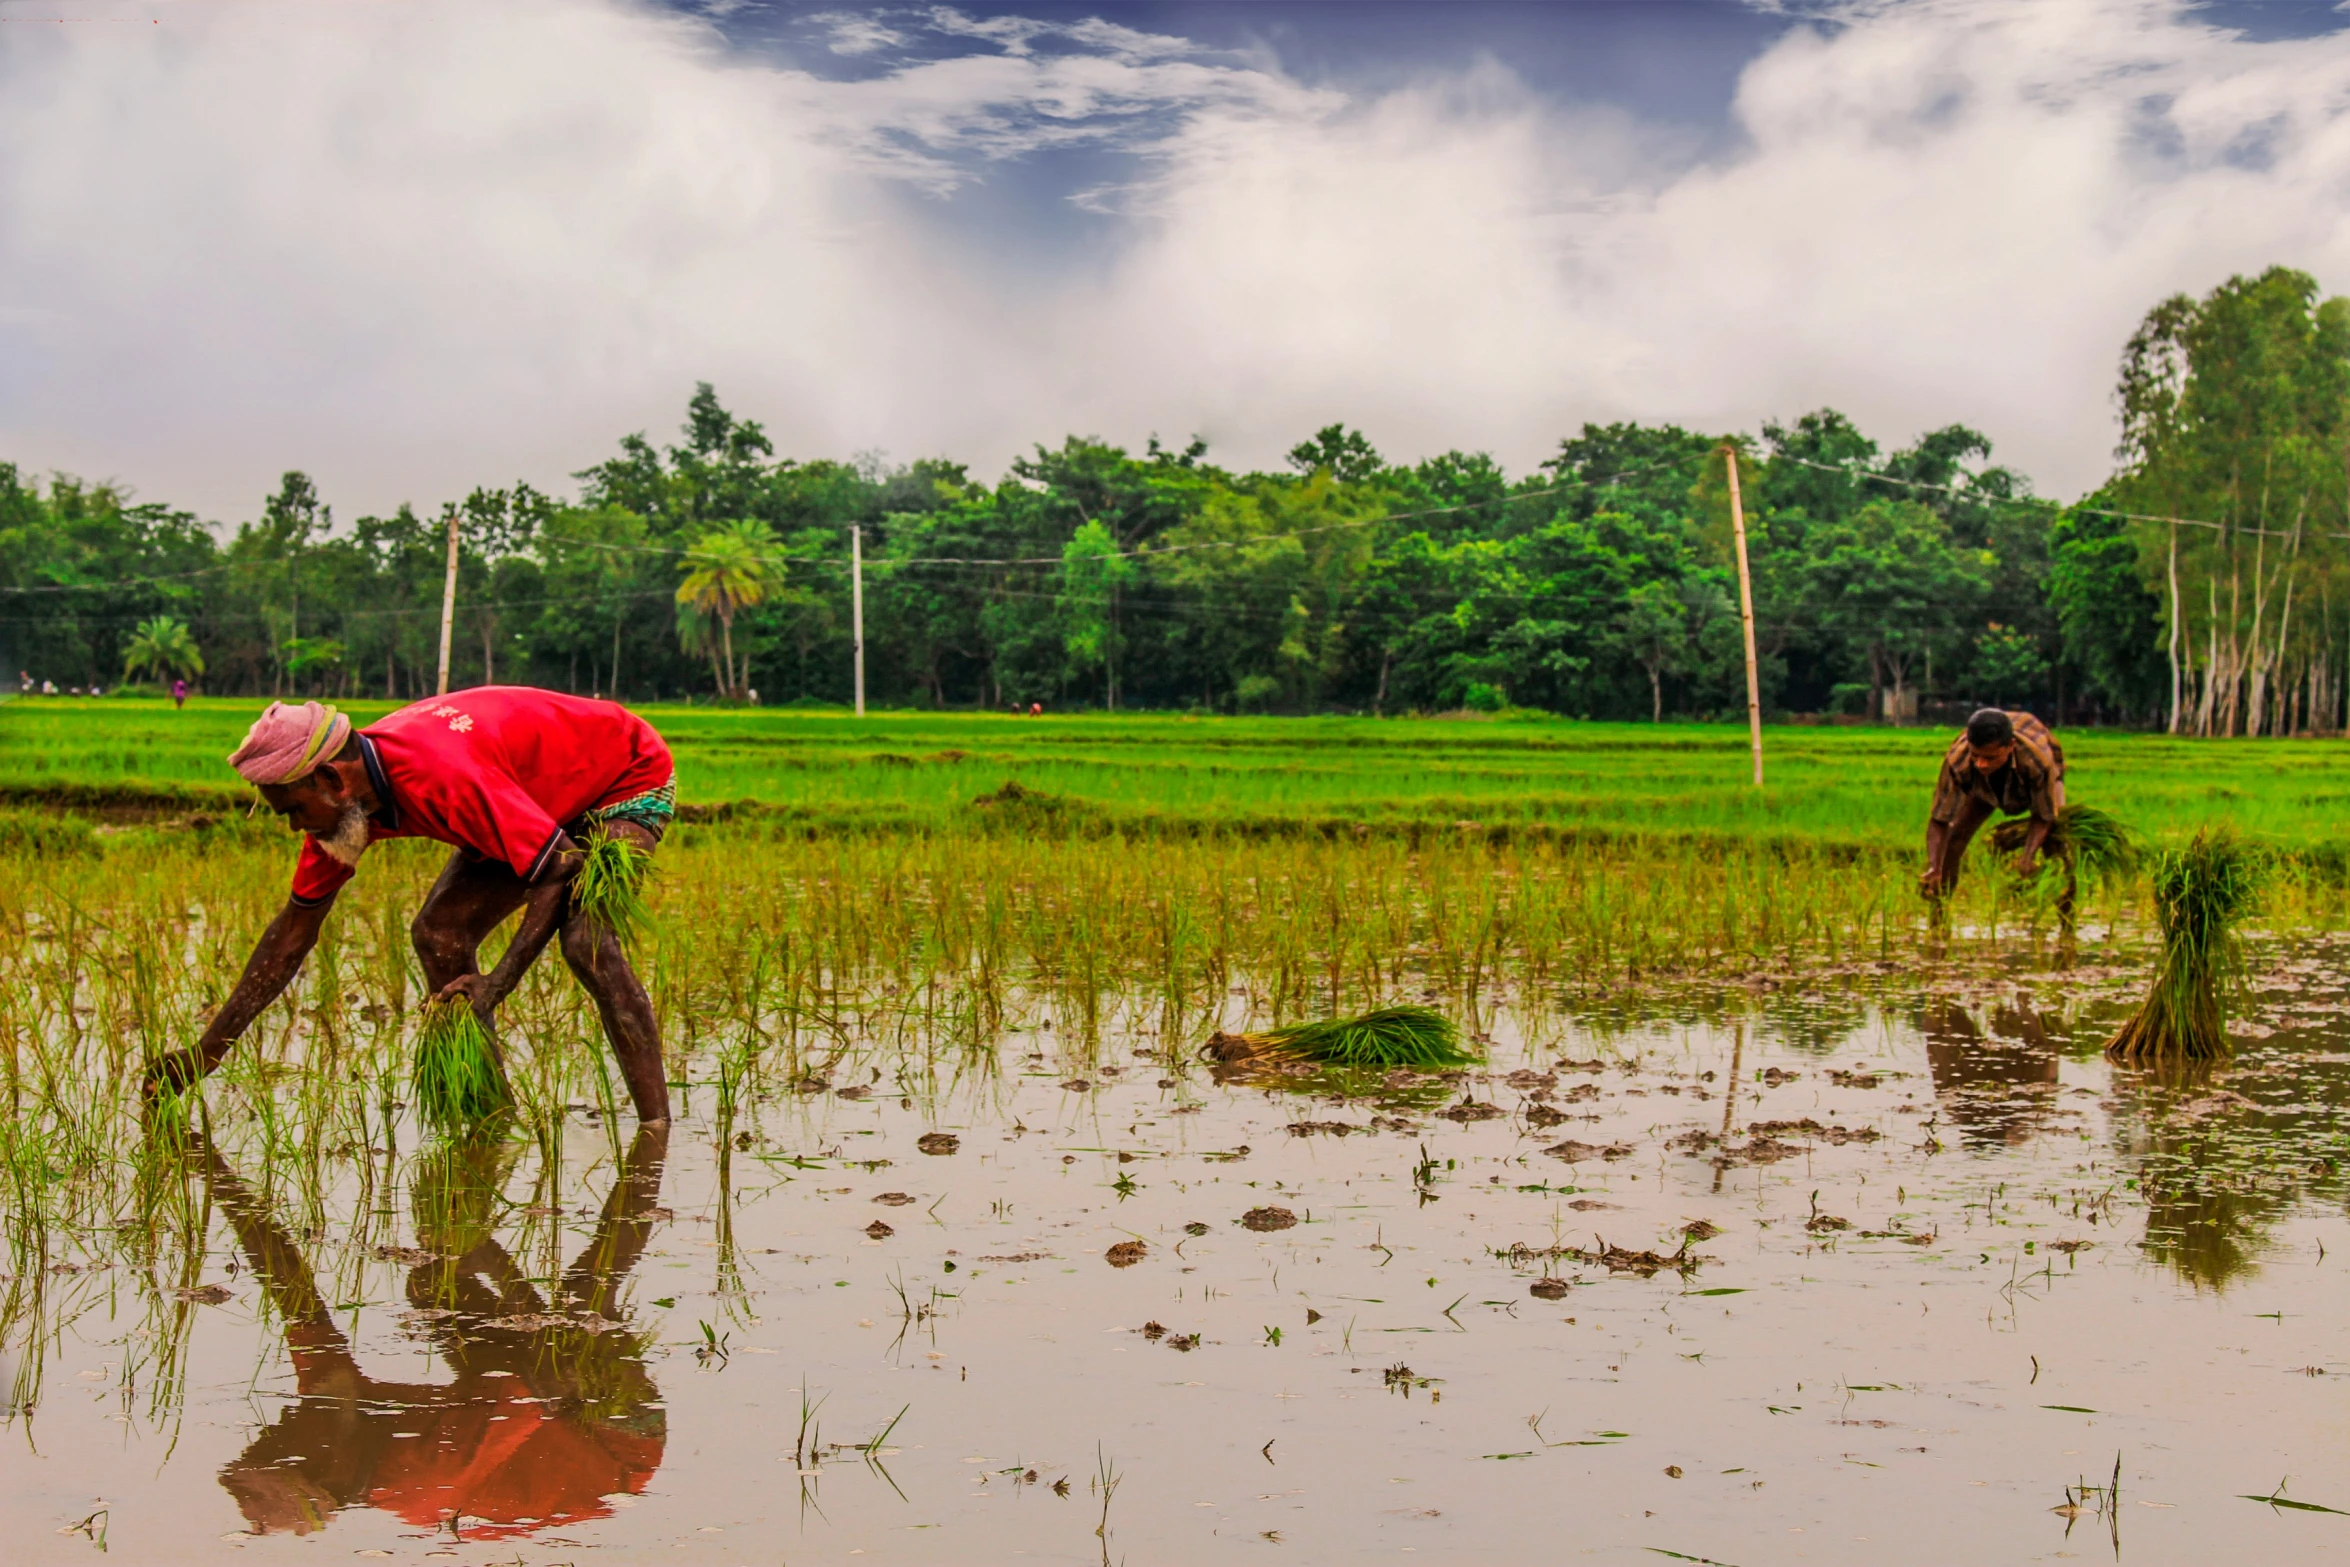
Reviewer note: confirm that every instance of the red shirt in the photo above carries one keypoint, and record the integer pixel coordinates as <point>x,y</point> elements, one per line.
<point>497,771</point>
<point>546,1468</point>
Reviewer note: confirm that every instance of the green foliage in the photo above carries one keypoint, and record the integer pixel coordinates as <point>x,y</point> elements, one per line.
<point>731,568</point>
<point>457,1081</point>
<point>2008,664</point>
<point>308,657</point>
<point>1886,584</point>
<point>2235,408</point>
<point>163,647</point>
<point>2108,621</point>
<point>1092,574</point>
<point>2201,892</point>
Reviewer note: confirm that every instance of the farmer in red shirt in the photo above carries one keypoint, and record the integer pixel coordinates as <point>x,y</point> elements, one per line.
<point>510,776</point>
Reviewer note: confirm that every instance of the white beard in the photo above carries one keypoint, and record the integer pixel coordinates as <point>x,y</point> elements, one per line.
<point>349,839</point>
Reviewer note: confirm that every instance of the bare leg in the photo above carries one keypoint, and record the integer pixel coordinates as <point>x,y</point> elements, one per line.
<point>601,965</point>
<point>468,900</point>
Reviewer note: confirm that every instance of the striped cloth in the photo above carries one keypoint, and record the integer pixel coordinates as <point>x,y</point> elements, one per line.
<point>651,810</point>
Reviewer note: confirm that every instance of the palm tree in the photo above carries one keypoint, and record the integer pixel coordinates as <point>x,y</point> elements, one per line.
<point>162,646</point>
<point>733,567</point>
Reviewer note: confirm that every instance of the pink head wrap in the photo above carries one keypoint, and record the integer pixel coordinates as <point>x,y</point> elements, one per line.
<point>289,741</point>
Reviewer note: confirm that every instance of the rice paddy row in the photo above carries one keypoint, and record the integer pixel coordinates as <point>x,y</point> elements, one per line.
<point>1858,790</point>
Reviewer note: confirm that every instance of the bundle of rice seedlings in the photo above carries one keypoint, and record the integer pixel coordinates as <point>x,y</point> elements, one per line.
<point>458,1082</point>
<point>2200,892</point>
<point>609,888</point>
<point>2087,838</point>
<point>1420,1038</point>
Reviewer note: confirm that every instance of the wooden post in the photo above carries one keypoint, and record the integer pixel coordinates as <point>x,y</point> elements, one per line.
<point>1746,613</point>
<point>448,604</point>
<point>857,608</point>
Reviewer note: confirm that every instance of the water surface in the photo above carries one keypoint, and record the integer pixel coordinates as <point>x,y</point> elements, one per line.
<point>1947,1268</point>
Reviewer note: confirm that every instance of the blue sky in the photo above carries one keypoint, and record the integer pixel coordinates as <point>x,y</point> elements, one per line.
<point>417,247</point>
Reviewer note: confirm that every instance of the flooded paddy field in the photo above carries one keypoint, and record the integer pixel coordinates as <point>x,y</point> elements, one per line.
<point>1884,1264</point>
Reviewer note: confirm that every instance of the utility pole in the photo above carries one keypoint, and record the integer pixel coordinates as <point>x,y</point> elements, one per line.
<point>857,607</point>
<point>1746,613</point>
<point>448,602</point>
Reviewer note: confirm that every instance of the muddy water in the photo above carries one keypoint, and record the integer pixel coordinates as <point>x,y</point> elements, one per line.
<point>1969,1268</point>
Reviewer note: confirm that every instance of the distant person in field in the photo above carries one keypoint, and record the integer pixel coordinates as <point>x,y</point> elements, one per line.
<point>510,777</point>
<point>2002,764</point>
<point>179,693</point>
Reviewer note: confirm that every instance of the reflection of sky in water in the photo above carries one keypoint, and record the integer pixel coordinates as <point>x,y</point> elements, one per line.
<point>453,1349</point>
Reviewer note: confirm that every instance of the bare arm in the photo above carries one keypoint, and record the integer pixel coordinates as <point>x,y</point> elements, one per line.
<point>2033,839</point>
<point>1946,845</point>
<point>273,965</point>
<point>542,918</point>
<point>1937,841</point>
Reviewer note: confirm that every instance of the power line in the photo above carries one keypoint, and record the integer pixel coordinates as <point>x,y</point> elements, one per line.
<point>2036,500</point>
<point>1152,551</point>
<point>148,580</point>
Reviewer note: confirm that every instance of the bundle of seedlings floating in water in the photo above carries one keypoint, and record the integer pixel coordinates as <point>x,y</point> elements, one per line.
<point>458,1081</point>
<point>2200,892</point>
<point>1420,1039</point>
<point>609,887</point>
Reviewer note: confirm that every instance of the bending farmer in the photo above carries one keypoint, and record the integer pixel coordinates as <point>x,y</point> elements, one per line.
<point>2004,764</point>
<point>511,777</point>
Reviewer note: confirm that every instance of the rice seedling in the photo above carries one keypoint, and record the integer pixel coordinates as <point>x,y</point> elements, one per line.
<point>609,887</point>
<point>2092,841</point>
<point>2201,892</point>
<point>1417,1038</point>
<point>457,1080</point>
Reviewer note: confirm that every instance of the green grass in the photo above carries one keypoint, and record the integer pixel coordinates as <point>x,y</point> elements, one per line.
<point>1848,788</point>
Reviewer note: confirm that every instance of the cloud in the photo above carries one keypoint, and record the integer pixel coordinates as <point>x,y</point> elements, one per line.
<point>852,34</point>
<point>416,248</point>
<point>1018,35</point>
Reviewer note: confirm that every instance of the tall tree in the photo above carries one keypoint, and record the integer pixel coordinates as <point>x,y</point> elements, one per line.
<point>731,568</point>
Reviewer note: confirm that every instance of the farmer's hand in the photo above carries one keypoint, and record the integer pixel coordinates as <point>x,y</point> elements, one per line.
<point>2026,863</point>
<point>1930,882</point>
<point>475,988</point>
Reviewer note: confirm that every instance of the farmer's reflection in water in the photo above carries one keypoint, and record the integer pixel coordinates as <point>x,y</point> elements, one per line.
<point>1997,1084</point>
<point>551,1408</point>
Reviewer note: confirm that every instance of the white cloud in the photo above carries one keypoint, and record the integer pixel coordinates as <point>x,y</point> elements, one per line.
<point>414,248</point>
<point>1017,35</point>
<point>852,34</point>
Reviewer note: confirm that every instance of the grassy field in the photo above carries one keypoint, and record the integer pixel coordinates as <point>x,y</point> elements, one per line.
<point>1829,788</point>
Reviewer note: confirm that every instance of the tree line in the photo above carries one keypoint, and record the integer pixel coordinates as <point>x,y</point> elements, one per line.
<point>2203,587</point>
